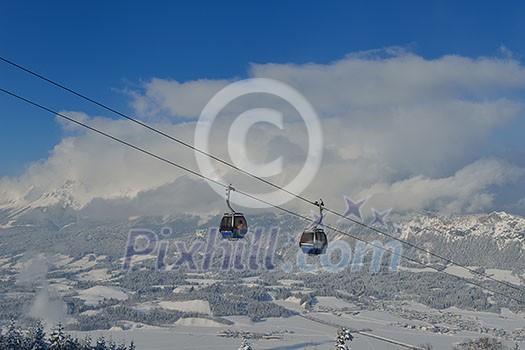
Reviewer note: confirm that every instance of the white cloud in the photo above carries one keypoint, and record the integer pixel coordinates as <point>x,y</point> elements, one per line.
<point>97,167</point>
<point>505,51</point>
<point>67,125</point>
<point>406,129</point>
<point>185,100</point>
<point>469,189</point>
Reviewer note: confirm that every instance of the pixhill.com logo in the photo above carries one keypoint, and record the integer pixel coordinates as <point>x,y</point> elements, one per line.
<point>267,249</point>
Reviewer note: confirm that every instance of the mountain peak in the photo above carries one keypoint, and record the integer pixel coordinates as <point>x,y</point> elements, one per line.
<point>497,224</point>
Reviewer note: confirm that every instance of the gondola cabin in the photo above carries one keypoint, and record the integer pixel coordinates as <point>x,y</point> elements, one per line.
<point>233,226</point>
<point>313,241</point>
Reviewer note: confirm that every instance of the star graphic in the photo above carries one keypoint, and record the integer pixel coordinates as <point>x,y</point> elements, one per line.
<point>354,208</point>
<point>379,217</point>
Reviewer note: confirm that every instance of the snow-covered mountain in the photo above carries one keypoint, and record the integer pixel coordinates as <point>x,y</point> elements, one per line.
<point>73,195</point>
<point>178,196</point>
<point>69,194</point>
<point>496,239</point>
<point>499,226</point>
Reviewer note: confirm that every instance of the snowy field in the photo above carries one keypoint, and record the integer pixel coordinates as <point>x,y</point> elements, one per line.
<point>98,293</point>
<point>297,333</point>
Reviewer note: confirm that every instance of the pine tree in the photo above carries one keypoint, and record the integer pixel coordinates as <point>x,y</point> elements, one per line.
<point>343,335</point>
<point>132,346</point>
<point>13,339</point>
<point>57,339</point>
<point>101,344</point>
<point>121,346</point>
<point>86,343</point>
<point>245,344</point>
<point>73,343</point>
<point>37,338</point>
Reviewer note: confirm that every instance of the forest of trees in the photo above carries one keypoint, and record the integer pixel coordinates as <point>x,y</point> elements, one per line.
<point>484,343</point>
<point>35,338</point>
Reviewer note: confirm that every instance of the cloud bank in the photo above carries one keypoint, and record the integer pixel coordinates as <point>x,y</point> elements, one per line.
<point>409,131</point>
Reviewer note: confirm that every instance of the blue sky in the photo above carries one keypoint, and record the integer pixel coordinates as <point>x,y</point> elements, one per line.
<point>105,48</point>
<point>101,47</point>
